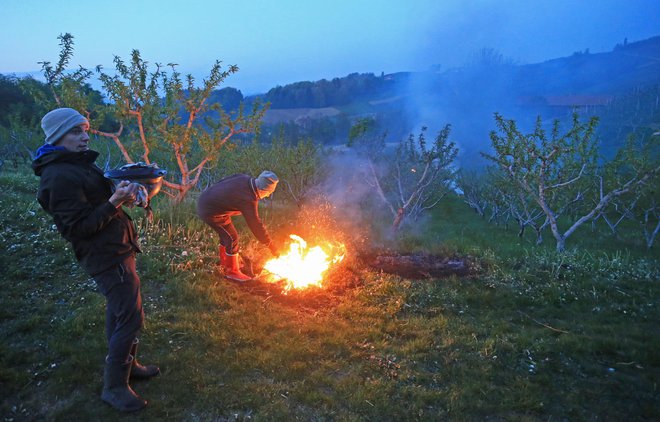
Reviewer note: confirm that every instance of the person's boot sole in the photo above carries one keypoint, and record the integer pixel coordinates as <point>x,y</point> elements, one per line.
<point>108,401</point>
<point>240,280</point>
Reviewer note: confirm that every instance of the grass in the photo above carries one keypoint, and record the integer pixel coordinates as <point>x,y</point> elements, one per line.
<point>532,336</point>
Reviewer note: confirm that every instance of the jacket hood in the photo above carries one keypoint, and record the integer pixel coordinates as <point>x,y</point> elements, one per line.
<point>58,156</point>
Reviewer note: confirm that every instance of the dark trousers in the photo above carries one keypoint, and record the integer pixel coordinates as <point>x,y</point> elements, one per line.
<point>225,228</point>
<point>124,315</point>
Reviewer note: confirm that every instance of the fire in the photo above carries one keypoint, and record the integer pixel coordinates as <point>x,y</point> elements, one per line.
<point>301,266</point>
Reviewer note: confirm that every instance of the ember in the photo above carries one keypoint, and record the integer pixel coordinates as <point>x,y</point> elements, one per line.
<point>301,266</point>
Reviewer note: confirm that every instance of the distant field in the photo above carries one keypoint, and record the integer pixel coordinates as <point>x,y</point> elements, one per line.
<point>297,115</point>
<point>387,100</point>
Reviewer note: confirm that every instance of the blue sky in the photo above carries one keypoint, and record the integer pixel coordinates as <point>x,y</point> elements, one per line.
<point>283,41</point>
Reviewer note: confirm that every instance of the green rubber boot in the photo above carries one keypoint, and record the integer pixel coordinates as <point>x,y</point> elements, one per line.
<point>116,391</point>
<point>139,371</point>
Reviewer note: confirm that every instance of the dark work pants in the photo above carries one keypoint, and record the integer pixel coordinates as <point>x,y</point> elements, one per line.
<point>225,228</point>
<point>124,315</point>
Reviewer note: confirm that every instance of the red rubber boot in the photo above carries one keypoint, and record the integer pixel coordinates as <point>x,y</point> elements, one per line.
<point>222,254</point>
<point>233,269</point>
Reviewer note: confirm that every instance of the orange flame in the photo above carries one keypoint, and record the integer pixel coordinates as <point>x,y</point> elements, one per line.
<point>301,266</point>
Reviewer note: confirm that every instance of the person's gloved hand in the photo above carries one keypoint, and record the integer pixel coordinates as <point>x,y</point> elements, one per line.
<point>275,249</point>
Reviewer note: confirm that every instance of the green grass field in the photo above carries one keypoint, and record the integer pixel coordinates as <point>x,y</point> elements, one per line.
<point>530,335</point>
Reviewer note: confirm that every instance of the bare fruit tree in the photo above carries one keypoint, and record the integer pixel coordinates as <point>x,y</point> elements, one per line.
<point>561,172</point>
<point>415,177</point>
<point>475,189</point>
<point>160,118</point>
<point>639,154</point>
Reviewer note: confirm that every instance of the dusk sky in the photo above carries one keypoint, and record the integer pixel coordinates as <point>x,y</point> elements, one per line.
<point>280,42</point>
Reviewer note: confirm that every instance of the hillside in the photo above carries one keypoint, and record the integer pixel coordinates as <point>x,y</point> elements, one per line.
<point>626,78</point>
<point>613,73</point>
<point>627,66</point>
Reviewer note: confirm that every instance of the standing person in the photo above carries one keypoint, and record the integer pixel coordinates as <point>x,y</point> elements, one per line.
<point>237,195</point>
<point>87,210</point>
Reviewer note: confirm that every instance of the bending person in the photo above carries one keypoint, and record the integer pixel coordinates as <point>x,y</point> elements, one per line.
<point>236,195</point>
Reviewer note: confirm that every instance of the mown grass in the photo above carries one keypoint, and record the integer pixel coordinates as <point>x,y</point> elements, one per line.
<point>531,336</point>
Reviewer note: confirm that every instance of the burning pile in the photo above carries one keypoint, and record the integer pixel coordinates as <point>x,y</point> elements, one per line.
<point>303,266</point>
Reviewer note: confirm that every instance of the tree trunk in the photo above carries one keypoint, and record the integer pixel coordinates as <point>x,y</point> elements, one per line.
<point>521,225</point>
<point>539,235</point>
<point>181,194</point>
<point>400,214</point>
<point>650,236</point>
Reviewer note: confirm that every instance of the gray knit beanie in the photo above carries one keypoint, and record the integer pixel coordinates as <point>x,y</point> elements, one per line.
<point>266,183</point>
<point>58,122</point>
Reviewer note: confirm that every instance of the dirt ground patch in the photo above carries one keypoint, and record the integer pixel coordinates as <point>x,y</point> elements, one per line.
<point>418,265</point>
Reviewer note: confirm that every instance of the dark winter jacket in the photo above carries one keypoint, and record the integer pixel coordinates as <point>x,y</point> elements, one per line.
<point>234,195</point>
<point>75,193</point>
